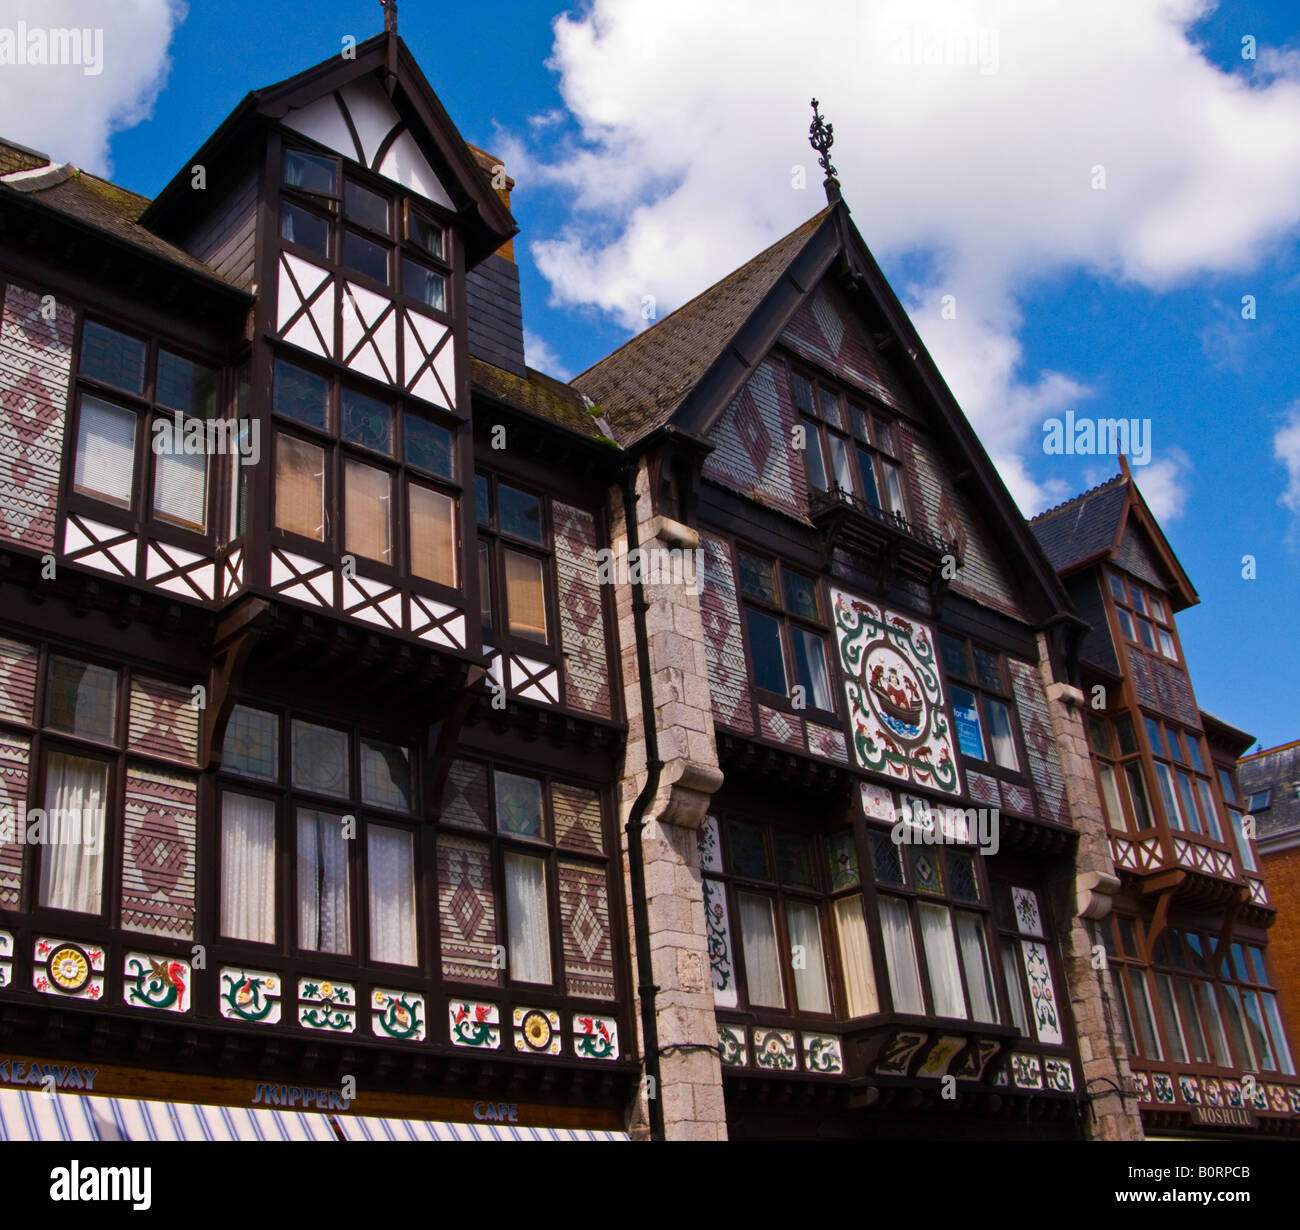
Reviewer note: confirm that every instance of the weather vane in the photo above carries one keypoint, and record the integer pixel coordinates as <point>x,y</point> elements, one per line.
<point>390,15</point>
<point>821,136</point>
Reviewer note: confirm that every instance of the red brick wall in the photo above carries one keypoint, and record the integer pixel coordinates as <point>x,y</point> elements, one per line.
<point>1282,879</point>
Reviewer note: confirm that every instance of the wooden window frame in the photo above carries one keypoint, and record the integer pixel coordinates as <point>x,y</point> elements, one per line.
<point>1006,696</point>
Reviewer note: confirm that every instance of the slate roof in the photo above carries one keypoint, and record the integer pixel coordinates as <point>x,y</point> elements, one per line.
<point>642,383</point>
<point>1082,526</point>
<point>539,394</point>
<point>1276,770</point>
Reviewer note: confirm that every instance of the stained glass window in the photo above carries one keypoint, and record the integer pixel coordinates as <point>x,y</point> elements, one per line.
<point>428,446</point>
<point>842,860</point>
<point>756,577</point>
<point>367,421</point>
<point>961,873</point>
<point>320,759</point>
<point>927,875</point>
<point>385,775</point>
<point>519,805</point>
<point>886,859</point>
<point>800,594</point>
<point>302,395</point>
<point>747,851</point>
<point>82,699</point>
<point>252,744</point>
<point>794,861</point>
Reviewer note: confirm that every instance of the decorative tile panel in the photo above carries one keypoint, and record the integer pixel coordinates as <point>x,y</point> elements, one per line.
<point>827,742</point>
<point>595,1037</point>
<point>721,957</point>
<point>475,1024</point>
<point>1058,1075</point>
<point>67,967</point>
<point>35,361</point>
<point>1025,903</point>
<point>1163,1088</point>
<point>465,797</point>
<point>877,803</point>
<point>1026,1071</point>
<point>724,649</point>
<point>710,845</point>
<point>582,619</point>
<point>577,819</point>
<point>467,911</point>
<point>160,982</point>
<point>1017,798</point>
<point>1042,994</point>
<point>585,930</point>
<point>159,853</point>
<point>537,1031</point>
<point>164,721</point>
<point>822,1054</point>
<point>983,789</point>
<point>397,1014</point>
<point>733,1047</point>
<point>250,995</point>
<point>1190,1088</point>
<point>780,727</point>
<point>15,756</point>
<point>327,1005</point>
<point>941,1055</point>
<point>775,1051</point>
<point>898,1052</point>
<point>6,959</point>
<point>17,679</point>
<point>894,694</point>
<point>1036,723</point>
<point>976,1059</point>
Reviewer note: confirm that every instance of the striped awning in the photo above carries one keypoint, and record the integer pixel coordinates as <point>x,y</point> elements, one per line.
<point>25,1115</point>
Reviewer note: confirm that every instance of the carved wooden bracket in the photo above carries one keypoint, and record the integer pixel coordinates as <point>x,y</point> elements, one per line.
<point>444,734</point>
<point>236,635</point>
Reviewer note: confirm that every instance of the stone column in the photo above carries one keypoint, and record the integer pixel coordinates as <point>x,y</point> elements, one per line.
<point>1082,899</point>
<point>690,1072</point>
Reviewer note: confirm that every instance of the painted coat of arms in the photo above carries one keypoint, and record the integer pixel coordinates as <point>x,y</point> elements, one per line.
<point>894,694</point>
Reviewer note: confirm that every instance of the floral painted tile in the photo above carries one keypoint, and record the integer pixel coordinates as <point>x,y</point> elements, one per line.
<point>64,967</point>
<point>733,1049</point>
<point>877,803</point>
<point>1028,918</point>
<point>595,1037</point>
<point>537,1031</point>
<point>475,1024</point>
<point>710,846</point>
<point>1042,992</point>
<point>1027,1071</point>
<point>1213,1091</point>
<point>774,1050</point>
<point>821,1053</point>
<point>1232,1092</point>
<point>1293,1094</point>
<point>976,1059</point>
<point>1164,1088</point>
<point>151,981</point>
<point>324,1004</point>
<point>718,928</point>
<point>1059,1075</point>
<point>1143,1083</point>
<point>1191,1089</point>
<point>397,1014</point>
<point>249,995</point>
<point>6,958</point>
<point>1277,1098</point>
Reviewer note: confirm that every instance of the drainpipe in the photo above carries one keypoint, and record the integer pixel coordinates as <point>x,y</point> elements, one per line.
<point>646,989</point>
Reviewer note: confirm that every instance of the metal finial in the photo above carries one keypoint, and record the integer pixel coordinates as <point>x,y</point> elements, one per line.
<point>821,136</point>
<point>390,15</point>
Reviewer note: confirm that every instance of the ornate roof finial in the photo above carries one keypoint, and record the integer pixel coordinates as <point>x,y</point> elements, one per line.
<point>390,15</point>
<point>821,136</point>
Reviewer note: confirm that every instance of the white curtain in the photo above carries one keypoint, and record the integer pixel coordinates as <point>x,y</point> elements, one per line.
<point>810,651</point>
<point>941,959</point>
<point>1015,993</point>
<point>526,914</point>
<point>72,871</point>
<point>900,956</point>
<point>855,956</point>
<point>248,868</point>
<point>1214,1023</point>
<point>762,966</point>
<point>324,884</point>
<point>975,961</point>
<point>806,941</point>
<point>392,895</point>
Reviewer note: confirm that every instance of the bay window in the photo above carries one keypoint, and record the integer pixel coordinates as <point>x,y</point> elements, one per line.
<point>1143,615</point>
<point>516,563</point>
<point>983,706</point>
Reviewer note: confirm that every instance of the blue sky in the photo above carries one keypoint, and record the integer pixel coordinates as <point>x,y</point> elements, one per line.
<point>654,143</point>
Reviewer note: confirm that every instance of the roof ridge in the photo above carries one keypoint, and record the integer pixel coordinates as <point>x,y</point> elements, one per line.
<point>1268,751</point>
<point>726,277</point>
<point>1051,512</point>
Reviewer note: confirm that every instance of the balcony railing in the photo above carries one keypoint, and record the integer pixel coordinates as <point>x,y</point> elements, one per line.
<point>824,504</point>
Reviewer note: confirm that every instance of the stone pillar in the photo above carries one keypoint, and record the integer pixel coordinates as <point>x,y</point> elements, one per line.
<point>690,1072</point>
<point>1082,899</point>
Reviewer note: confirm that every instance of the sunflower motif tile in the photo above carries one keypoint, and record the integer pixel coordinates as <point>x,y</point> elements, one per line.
<point>537,1031</point>
<point>69,968</point>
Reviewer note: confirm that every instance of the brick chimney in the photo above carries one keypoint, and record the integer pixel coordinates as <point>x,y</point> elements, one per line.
<point>496,317</point>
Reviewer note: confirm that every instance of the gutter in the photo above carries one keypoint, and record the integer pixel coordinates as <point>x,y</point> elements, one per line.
<point>646,989</point>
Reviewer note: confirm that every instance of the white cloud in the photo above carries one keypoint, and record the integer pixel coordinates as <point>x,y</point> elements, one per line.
<point>1165,484</point>
<point>1286,448</point>
<point>539,354</point>
<point>69,113</point>
<point>970,131</point>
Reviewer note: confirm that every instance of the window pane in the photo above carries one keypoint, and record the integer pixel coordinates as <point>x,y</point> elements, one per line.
<point>900,956</point>
<point>519,805</point>
<point>1176,745</point>
<point>1214,1024</point>
<point>894,488</point>
<point>299,487</point>
<point>310,172</point>
<point>747,851</point>
<point>962,880</point>
<point>802,392</point>
<point>810,668</point>
<point>867,472</point>
<point>1194,751</point>
<point>525,596</point>
<point>1004,744</point>
<point>428,446</point>
<point>72,857</point>
<point>1192,1031</point>
<point>82,699</point>
<point>369,525</point>
<point>886,859</point>
<point>366,421</point>
<point>185,386</point>
<point>840,463</point>
<point>1110,798</point>
<point>302,395</point>
<point>390,866</point>
<point>1188,803</point>
<point>813,459</point>
<point>858,421</point>
<point>365,256</point>
<point>112,357</point>
<point>1243,842</point>
<point>967,716</point>
<point>485,584</point>
<point>1280,1045</point>
<point>526,917</point>
<point>1145,634</point>
<point>368,208</point>
<point>975,964</point>
<point>807,958</point>
<point>1124,730</point>
<point>1126,623</point>
<point>424,233</point>
<point>324,884</point>
<point>1166,782</point>
<point>1121,1010</point>
<point>794,863</point>
<point>1015,992</point>
<point>756,577</point>
<point>1237,1028</point>
<point>842,860</point>
<point>855,957</point>
<point>941,960</point>
<point>180,479</point>
<point>765,651</point>
<point>520,513</point>
<point>1156,737</point>
<point>320,759</point>
<point>385,775</point>
<point>829,404</point>
<point>426,285</point>
<point>1116,587</point>
<point>298,225</point>
<point>247,868</point>
<point>105,451</point>
<point>1137,793</point>
<point>1143,1017</point>
<point>954,657</point>
<point>1258,1034</point>
<point>800,594</point>
<point>988,671</point>
<point>482,500</point>
<point>885,437</point>
<point>1167,644</point>
<point>252,744</point>
<point>433,535</point>
<point>762,962</point>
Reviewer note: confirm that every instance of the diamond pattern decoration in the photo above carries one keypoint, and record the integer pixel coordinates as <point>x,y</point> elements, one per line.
<point>577,819</point>
<point>305,307</point>
<point>582,621</point>
<point>585,928</point>
<point>100,546</point>
<point>467,911</point>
